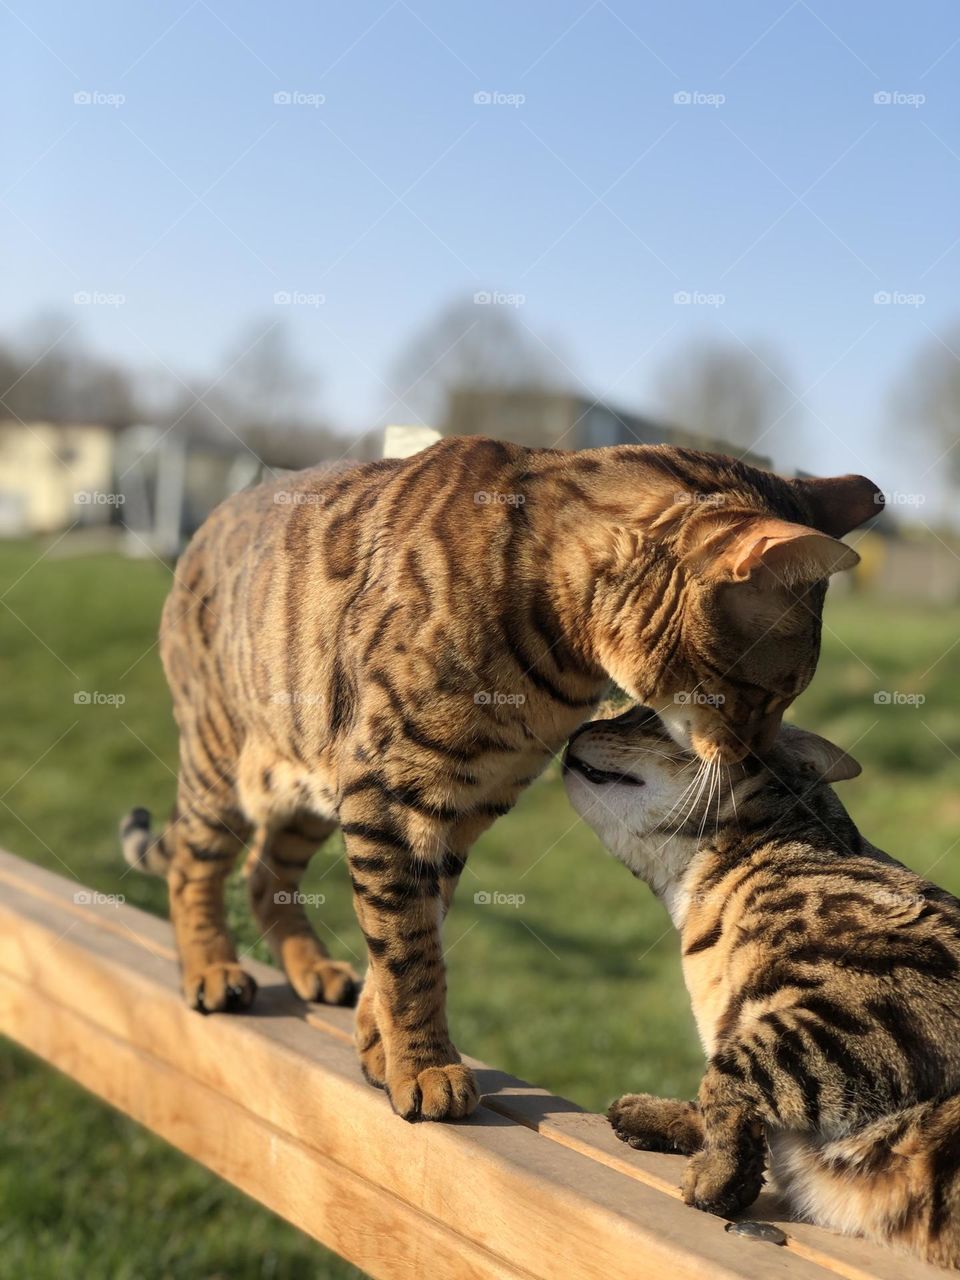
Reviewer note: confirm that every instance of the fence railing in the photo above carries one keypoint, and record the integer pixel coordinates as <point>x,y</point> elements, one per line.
<point>274,1103</point>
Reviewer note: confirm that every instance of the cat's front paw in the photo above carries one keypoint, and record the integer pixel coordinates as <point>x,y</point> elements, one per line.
<point>656,1124</point>
<point>219,988</point>
<point>436,1093</point>
<point>716,1181</point>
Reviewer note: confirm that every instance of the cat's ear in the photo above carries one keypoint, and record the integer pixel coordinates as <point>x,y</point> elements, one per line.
<point>840,503</point>
<point>817,756</point>
<point>792,552</point>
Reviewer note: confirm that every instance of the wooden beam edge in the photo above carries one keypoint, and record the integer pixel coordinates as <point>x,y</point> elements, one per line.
<point>553,1118</point>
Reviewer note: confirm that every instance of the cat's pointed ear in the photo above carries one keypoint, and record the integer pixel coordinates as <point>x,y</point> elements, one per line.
<point>792,552</point>
<point>840,503</point>
<point>817,756</point>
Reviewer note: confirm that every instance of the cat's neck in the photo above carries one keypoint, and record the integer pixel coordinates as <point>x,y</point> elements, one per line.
<point>664,863</point>
<point>596,551</point>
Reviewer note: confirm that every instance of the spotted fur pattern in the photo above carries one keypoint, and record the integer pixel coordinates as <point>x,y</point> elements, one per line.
<point>398,648</point>
<point>824,978</point>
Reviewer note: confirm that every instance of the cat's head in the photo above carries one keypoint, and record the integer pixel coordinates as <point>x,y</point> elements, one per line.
<point>708,607</point>
<point>654,803</point>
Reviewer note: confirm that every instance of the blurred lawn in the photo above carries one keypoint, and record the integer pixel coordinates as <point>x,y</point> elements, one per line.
<point>578,988</point>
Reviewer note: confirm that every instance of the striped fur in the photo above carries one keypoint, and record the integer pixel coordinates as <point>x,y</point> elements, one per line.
<point>824,978</point>
<point>398,648</point>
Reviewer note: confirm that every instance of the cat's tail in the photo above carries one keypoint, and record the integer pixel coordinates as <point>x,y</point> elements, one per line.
<point>141,849</point>
<point>896,1181</point>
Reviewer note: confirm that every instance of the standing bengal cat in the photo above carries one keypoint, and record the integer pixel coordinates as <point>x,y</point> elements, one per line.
<point>398,648</point>
<point>824,978</point>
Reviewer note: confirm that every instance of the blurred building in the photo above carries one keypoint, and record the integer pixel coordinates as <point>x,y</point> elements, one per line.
<point>562,420</point>
<point>53,475</point>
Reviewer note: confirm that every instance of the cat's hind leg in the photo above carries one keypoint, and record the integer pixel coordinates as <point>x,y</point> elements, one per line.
<point>202,842</point>
<point>275,868</point>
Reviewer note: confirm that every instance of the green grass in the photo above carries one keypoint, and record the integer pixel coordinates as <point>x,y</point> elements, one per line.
<point>577,988</point>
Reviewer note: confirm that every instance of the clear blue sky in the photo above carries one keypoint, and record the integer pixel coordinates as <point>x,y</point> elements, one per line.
<point>598,198</point>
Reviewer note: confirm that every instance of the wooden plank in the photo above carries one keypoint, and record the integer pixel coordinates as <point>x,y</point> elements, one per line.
<point>490,1180</point>
<point>533,1183</point>
<point>375,1230</point>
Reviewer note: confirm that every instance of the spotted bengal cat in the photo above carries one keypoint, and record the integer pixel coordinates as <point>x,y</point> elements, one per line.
<point>399,647</point>
<point>824,978</point>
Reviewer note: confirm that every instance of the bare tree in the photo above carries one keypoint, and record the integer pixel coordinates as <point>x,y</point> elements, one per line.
<point>929,397</point>
<point>470,345</point>
<point>50,376</point>
<point>727,392</point>
<point>265,378</point>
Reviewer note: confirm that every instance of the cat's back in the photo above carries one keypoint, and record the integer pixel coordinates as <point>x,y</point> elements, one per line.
<point>845,960</point>
<point>275,568</point>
